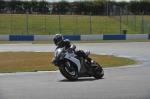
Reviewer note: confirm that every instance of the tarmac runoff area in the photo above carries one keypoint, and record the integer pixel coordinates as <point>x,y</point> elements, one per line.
<point>128,82</point>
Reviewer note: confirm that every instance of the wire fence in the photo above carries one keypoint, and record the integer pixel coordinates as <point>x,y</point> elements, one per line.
<point>138,23</point>
<point>114,20</point>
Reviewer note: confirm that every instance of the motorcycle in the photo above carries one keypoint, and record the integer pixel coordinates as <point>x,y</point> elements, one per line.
<point>72,67</point>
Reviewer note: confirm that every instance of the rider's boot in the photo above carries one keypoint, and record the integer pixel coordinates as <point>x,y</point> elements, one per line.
<point>86,57</point>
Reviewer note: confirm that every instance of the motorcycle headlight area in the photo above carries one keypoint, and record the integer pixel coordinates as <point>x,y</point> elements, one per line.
<point>60,55</point>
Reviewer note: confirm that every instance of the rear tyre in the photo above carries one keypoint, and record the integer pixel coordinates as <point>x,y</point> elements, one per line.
<point>70,75</point>
<point>98,72</point>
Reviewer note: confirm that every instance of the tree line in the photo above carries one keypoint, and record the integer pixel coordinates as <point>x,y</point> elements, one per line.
<point>77,7</point>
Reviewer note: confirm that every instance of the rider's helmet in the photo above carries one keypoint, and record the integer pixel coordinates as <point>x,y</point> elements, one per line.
<point>58,39</point>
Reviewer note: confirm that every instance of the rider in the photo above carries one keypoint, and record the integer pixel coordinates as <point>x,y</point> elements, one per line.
<point>61,42</point>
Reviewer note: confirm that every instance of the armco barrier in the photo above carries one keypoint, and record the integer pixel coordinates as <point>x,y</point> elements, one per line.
<point>75,37</point>
<point>114,37</point>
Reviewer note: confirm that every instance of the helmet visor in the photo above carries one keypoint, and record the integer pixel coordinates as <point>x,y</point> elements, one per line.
<point>57,41</point>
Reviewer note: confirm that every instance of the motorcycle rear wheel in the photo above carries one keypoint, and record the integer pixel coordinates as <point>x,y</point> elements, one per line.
<point>98,73</point>
<point>70,75</point>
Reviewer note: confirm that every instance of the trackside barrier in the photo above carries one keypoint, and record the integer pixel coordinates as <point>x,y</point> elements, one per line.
<point>72,37</point>
<point>137,37</point>
<point>43,37</point>
<point>4,37</point>
<point>75,37</point>
<point>21,37</point>
<point>92,37</point>
<point>114,37</point>
<point>50,37</point>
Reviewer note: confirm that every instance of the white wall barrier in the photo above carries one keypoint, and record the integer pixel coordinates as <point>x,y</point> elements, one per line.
<point>43,37</point>
<point>91,37</point>
<point>4,37</point>
<point>137,36</point>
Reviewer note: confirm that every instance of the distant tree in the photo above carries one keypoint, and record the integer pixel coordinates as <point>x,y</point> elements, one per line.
<point>54,8</point>
<point>2,6</point>
<point>43,7</point>
<point>123,4</point>
<point>144,6</point>
<point>98,8</point>
<point>88,7</point>
<point>34,6</point>
<point>138,7</point>
<point>63,7</point>
<point>26,6</point>
<point>79,7</point>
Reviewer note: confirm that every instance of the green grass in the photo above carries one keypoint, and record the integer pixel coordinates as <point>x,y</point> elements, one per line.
<point>70,24</point>
<point>41,61</point>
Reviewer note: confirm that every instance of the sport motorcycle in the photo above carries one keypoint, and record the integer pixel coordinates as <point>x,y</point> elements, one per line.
<point>72,66</point>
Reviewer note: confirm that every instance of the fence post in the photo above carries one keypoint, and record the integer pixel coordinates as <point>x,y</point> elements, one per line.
<point>127,18</point>
<point>120,20</point>
<point>45,17</point>
<point>90,25</point>
<point>107,15</point>
<point>11,19</point>
<point>27,21</point>
<point>76,24</point>
<point>134,21</point>
<point>142,23</point>
<point>45,24</point>
<point>149,27</point>
<point>59,24</point>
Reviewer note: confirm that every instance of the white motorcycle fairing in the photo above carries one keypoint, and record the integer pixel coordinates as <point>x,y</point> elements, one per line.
<point>71,57</point>
<point>62,53</point>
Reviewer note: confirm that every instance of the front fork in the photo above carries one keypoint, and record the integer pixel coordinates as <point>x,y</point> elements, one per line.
<point>69,67</point>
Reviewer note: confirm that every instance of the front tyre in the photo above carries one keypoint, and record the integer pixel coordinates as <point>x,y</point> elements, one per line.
<point>70,75</point>
<point>98,71</point>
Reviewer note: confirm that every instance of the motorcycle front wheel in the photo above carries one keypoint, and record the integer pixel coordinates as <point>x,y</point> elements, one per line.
<point>70,75</point>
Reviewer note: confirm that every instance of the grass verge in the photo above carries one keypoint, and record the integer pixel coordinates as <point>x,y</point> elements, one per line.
<point>41,61</point>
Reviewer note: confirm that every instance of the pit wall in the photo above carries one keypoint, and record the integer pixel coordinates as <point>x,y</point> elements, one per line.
<point>76,37</point>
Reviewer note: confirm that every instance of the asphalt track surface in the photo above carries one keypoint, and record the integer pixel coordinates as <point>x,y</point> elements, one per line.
<point>128,82</point>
